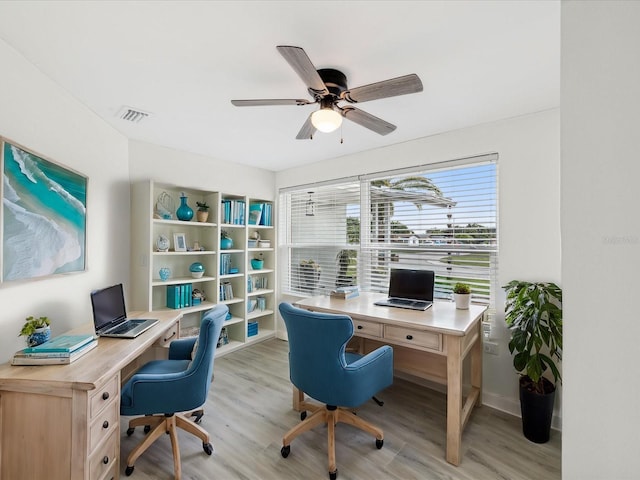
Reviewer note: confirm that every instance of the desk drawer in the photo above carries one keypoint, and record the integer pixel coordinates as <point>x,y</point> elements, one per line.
<point>415,338</point>
<point>370,329</point>
<point>167,337</point>
<point>104,423</point>
<point>103,396</point>
<point>104,459</point>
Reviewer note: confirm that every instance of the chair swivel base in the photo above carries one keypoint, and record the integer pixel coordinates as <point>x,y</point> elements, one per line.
<point>159,424</point>
<point>330,416</point>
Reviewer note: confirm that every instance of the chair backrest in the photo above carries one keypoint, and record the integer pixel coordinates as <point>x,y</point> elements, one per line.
<point>317,344</point>
<point>200,371</point>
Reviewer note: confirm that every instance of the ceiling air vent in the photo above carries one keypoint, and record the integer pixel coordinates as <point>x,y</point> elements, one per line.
<point>132,115</point>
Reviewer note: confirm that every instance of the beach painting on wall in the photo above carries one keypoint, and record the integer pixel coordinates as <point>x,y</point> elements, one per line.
<point>43,216</point>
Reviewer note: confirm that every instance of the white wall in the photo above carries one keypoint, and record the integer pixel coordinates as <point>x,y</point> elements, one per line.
<point>37,114</point>
<point>165,165</point>
<point>529,213</point>
<point>601,238</point>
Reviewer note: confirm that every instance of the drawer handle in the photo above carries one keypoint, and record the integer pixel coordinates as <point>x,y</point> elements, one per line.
<point>409,337</point>
<point>173,334</point>
<point>105,395</point>
<point>105,460</point>
<point>360,327</point>
<point>105,424</point>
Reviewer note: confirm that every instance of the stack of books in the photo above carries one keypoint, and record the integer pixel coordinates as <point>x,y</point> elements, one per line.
<point>57,351</point>
<point>346,292</point>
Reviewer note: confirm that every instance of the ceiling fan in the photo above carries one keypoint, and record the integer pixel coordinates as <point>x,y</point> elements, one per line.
<point>328,87</point>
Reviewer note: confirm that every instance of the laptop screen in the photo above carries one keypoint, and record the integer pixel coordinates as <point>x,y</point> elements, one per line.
<point>413,284</point>
<point>108,306</point>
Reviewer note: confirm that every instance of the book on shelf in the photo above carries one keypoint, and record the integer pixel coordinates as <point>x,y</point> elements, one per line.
<point>179,296</point>
<point>255,213</point>
<point>62,343</point>
<point>53,358</point>
<point>345,292</point>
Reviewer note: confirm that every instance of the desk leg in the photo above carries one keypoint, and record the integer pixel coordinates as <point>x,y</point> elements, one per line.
<point>454,398</point>
<point>476,364</point>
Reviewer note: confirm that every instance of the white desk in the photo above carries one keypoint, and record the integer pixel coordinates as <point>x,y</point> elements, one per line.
<point>63,421</point>
<point>431,345</point>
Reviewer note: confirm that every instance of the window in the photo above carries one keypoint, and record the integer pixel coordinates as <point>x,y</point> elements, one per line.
<point>440,217</point>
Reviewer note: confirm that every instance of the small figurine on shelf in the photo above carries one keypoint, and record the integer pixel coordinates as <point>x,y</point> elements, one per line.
<point>197,297</point>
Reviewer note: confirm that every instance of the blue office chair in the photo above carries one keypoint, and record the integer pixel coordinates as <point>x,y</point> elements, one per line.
<point>162,388</point>
<point>320,367</point>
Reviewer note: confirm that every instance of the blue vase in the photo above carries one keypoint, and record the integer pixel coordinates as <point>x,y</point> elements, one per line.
<point>165,273</point>
<point>226,243</point>
<point>184,212</point>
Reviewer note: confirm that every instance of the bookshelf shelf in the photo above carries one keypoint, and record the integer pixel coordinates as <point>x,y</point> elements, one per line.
<point>228,212</point>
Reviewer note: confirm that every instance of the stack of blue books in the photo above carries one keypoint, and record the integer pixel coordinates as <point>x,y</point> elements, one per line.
<point>57,351</point>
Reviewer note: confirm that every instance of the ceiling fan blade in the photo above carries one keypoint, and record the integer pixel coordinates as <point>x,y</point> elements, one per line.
<point>387,88</point>
<point>367,120</point>
<point>300,62</point>
<point>307,130</point>
<point>266,102</point>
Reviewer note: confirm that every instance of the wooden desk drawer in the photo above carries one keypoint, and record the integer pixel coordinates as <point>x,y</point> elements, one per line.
<point>371,329</point>
<point>414,338</point>
<point>104,459</point>
<point>170,335</point>
<point>102,397</point>
<point>104,423</point>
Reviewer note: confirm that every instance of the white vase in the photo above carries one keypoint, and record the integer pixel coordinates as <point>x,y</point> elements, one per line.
<point>462,300</point>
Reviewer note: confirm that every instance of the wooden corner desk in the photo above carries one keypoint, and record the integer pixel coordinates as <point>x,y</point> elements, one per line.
<point>63,421</point>
<point>429,344</point>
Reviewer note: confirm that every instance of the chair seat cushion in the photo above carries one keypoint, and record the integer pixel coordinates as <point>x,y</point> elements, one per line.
<point>164,366</point>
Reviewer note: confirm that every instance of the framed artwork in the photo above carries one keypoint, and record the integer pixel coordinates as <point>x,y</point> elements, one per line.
<point>179,242</point>
<point>43,217</point>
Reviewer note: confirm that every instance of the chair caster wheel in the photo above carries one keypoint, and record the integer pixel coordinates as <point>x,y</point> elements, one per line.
<point>198,418</point>
<point>285,451</point>
<point>333,475</point>
<point>303,415</point>
<point>208,448</point>
<point>147,428</point>
<point>379,443</point>
<point>130,431</point>
<point>128,471</point>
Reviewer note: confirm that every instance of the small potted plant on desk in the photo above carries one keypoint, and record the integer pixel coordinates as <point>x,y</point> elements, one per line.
<point>533,313</point>
<point>462,295</point>
<point>37,330</point>
<point>202,214</point>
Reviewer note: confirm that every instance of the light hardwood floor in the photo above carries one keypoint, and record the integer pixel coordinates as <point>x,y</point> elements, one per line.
<point>249,409</point>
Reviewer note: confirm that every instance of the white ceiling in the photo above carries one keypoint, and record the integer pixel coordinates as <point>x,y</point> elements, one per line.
<point>479,61</point>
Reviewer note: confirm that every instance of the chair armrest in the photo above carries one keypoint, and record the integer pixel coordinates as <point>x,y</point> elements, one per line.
<point>181,348</point>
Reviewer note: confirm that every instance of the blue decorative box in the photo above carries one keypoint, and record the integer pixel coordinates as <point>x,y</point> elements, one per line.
<point>252,329</point>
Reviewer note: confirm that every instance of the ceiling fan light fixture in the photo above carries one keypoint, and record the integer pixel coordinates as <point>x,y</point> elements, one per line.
<point>326,120</point>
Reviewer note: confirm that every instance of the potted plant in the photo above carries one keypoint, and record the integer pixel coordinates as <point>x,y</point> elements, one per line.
<point>533,312</point>
<point>257,262</point>
<point>226,242</point>
<point>202,214</point>
<point>462,295</point>
<point>37,330</point>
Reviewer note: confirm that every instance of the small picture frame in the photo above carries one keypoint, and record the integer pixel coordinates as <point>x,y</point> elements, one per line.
<point>179,242</point>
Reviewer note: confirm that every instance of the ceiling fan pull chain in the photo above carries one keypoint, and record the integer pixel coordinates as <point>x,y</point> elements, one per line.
<point>341,136</point>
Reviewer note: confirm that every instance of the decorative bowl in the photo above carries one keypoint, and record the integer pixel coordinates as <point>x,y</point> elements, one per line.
<point>257,264</point>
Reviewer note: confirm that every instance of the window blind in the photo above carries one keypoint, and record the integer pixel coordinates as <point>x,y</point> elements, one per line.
<point>441,217</point>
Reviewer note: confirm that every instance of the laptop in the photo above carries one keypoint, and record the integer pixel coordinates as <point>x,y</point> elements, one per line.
<point>110,316</point>
<point>412,289</point>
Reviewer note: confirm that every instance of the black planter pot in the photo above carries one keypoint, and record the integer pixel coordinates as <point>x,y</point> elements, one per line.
<point>537,411</point>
